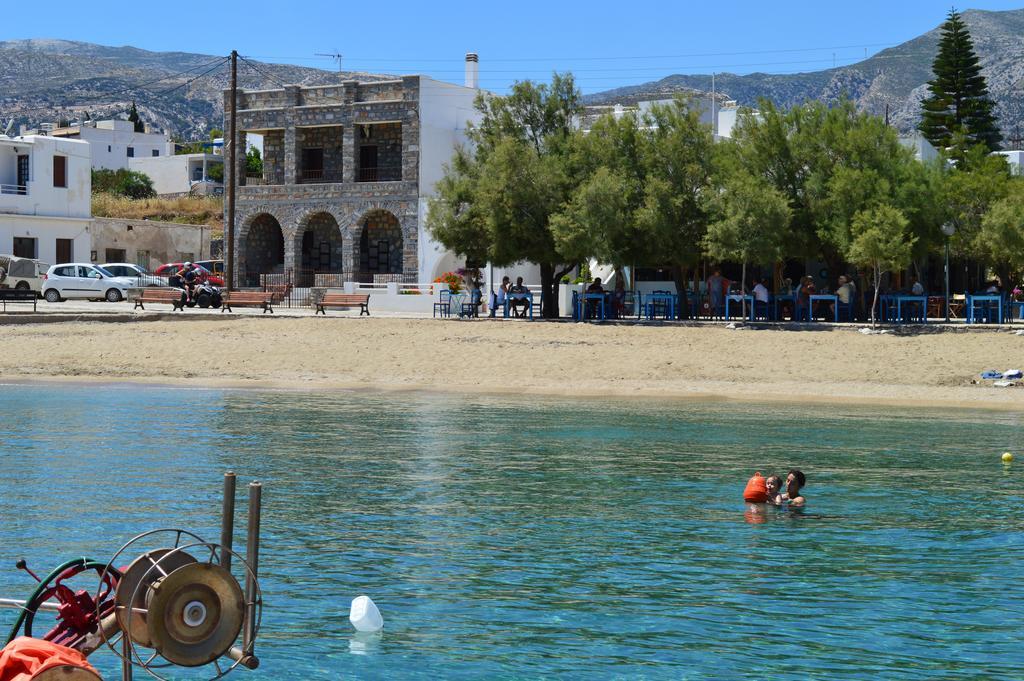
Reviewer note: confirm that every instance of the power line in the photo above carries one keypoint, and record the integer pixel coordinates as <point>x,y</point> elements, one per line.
<point>260,71</point>
<point>192,80</point>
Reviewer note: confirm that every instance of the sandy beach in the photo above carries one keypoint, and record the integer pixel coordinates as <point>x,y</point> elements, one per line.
<point>929,369</point>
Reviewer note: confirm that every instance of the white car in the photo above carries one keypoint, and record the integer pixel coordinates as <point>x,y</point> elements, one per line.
<point>83,280</point>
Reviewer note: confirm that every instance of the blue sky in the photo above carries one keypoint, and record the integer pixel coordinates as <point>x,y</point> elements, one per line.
<point>606,44</point>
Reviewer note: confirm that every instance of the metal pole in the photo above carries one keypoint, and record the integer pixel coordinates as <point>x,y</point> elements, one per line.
<point>947,278</point>
<point>227,521</point>
<point>126,657</point>
<point>20,605</point>
<point>252,557</point>
<point>229,266</point>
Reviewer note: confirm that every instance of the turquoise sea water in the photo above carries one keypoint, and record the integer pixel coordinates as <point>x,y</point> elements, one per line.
<point>543,538</point>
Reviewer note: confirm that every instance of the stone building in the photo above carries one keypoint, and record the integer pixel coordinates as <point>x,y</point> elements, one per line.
<point>347,172</point>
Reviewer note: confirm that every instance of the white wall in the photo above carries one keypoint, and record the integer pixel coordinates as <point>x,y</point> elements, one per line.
<point>109,142</point>
<point>42,198</point>
<point>1015,159</point>
<point>172,174</point>
<point>445,110</point>
<point>46,231</point>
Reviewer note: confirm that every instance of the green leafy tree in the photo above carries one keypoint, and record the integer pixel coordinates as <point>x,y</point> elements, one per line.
<point>215,133</point>
<point>750,222</point>
<point>131,184</point>
<point>958,100</point>
<point>881,241</point>
<point>495,204</point>
<point>133,116</point>
<point>968,192</point>
<point>253,163</point>
<point>215,172</point>
<point>1001,237</point>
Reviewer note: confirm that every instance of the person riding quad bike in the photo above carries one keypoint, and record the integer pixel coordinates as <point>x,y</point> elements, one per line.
<point>188,275</point>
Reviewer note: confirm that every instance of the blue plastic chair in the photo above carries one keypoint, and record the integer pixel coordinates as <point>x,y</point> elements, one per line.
<point>444,305</point>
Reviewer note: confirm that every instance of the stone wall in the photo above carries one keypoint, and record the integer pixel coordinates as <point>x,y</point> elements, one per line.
<point>387,138</point>
<point>380,244</point>
<point>329,139</point>
<point>273,157</point>
<point>148,242</point>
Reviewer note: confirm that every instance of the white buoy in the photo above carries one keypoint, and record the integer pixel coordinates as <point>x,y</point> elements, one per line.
<point>364,615</point>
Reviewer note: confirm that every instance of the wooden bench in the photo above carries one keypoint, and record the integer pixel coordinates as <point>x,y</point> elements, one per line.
<point>150,294</point>
<point>360,300</point>
<point>18,295</point>
<point>263,299</point>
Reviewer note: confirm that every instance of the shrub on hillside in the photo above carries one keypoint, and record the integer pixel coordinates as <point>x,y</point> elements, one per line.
<point>128,183</point>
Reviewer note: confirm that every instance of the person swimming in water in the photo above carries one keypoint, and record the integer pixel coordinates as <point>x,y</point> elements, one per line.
<point>795,480</point>
<point>774,487</point>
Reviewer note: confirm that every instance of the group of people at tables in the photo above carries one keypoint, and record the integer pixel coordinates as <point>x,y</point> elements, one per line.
<point>517,296</point>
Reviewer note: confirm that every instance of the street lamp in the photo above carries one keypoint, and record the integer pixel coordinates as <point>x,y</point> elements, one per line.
<point>949,229</point>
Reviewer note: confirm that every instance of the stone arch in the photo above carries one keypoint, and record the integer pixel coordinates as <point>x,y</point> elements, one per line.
<point>261,247</point>
<point>318,245</point>
<point>378,252</point>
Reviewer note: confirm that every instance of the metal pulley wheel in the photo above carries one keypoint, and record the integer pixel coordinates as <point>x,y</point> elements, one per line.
<point>143,572</point>
<point>195,614</point>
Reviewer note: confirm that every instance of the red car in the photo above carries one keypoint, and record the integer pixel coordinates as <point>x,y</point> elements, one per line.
<point>172,268</point>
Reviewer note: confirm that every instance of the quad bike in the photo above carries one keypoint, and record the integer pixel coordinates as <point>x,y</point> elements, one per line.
<point>204,295</point>
<point>178,603</point>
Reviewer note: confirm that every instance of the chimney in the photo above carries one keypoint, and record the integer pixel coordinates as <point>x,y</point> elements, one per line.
<point>472,70</point>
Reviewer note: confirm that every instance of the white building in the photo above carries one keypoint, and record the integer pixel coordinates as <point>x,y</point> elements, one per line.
<point>45,198</point>
<point>182,173</point>
<point>113,144</point>
<point>1015,159</point>
<point>922,148</point>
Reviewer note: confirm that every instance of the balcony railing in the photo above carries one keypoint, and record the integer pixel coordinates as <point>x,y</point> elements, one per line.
<point>14,189</point>
<point>380,174</point>
<point>312,175</point>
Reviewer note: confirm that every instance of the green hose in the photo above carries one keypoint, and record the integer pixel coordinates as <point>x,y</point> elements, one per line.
<point>85,563</point>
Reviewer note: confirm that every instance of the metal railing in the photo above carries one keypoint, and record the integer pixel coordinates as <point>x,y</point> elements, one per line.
<point>380,174</point>
<point>14,189</point>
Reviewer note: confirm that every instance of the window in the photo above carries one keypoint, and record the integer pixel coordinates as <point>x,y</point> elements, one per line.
<point>24,247</point>
<point>156,152</point>
<point>108,149</point>
<point>142,258</point>
<point>60,171</point>
<point>65,250</point>
<point>313,164</point>
<point>115,255</point>
<point>131,152</point>
<point>22,181</point>
<point>69,271</point>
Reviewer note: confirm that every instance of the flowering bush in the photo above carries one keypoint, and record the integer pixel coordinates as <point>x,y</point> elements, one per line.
<point>1018,293</point>
<point>453,280</point>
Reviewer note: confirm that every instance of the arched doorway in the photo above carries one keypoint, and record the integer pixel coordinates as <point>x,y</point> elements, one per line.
<point>263,249</point>
<point>320,249</point>
<point>380,247</point>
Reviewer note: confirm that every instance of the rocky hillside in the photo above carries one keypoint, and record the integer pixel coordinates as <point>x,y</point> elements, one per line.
<point>896,77</point>
<point>43,80</point>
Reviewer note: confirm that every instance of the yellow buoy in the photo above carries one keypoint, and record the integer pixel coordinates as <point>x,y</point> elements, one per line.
<point>1007,457</point>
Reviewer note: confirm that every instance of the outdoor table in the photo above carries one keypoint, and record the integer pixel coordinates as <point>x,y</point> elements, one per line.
<point>834,299</point>
<point>582,301</point>
<point>667,298</point>
<point>921,300</point>
<point>986,301</point>
<point>455,302</point>
<point>786,298</point>
<point>509,297</point>
<point>738,299</point>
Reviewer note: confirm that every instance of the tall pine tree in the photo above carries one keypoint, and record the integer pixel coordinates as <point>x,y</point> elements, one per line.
<point>133,116</point>
<point>959,110</point>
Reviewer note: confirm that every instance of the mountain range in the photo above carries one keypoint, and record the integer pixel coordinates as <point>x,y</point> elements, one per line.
<point>893,80</point>
<point>46,80</point>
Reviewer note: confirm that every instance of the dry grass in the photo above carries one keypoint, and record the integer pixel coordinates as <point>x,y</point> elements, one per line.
<point>203,210</point>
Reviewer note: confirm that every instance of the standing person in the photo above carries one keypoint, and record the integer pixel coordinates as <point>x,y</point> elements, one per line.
<point>498,299</point>
<point>619,296</point>
<point>803,296</point>
<point>717,287</point>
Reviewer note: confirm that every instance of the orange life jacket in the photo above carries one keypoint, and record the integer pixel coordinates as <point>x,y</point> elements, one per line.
<point>756,491</point>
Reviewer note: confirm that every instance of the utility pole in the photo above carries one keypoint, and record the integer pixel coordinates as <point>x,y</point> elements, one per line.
<point>229,268</point>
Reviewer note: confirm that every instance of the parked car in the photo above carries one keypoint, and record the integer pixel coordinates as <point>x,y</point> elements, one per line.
<point>134,272</point>
<point>25,274</point>
<point>215,266</point>
<point>83,280</point>
<point>172,268</point>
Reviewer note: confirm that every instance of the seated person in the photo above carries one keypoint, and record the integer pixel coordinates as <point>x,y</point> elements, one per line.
<point>795,480</point>
<point>760,292</point>
<point>498,298</point>
<point>595,286</point>
<point>916,289</point>
<point>519,301</point>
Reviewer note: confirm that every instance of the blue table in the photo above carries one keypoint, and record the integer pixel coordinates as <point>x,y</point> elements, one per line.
<point>834,299</point>
<point>528,297</point>
<point>582,304</point>
<point>921,300</point>
<point>651,305</point>
<point>986,303</point>
<point>738,299</point>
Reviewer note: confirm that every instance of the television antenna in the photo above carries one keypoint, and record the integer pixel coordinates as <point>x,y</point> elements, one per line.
<point>336,56</point>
